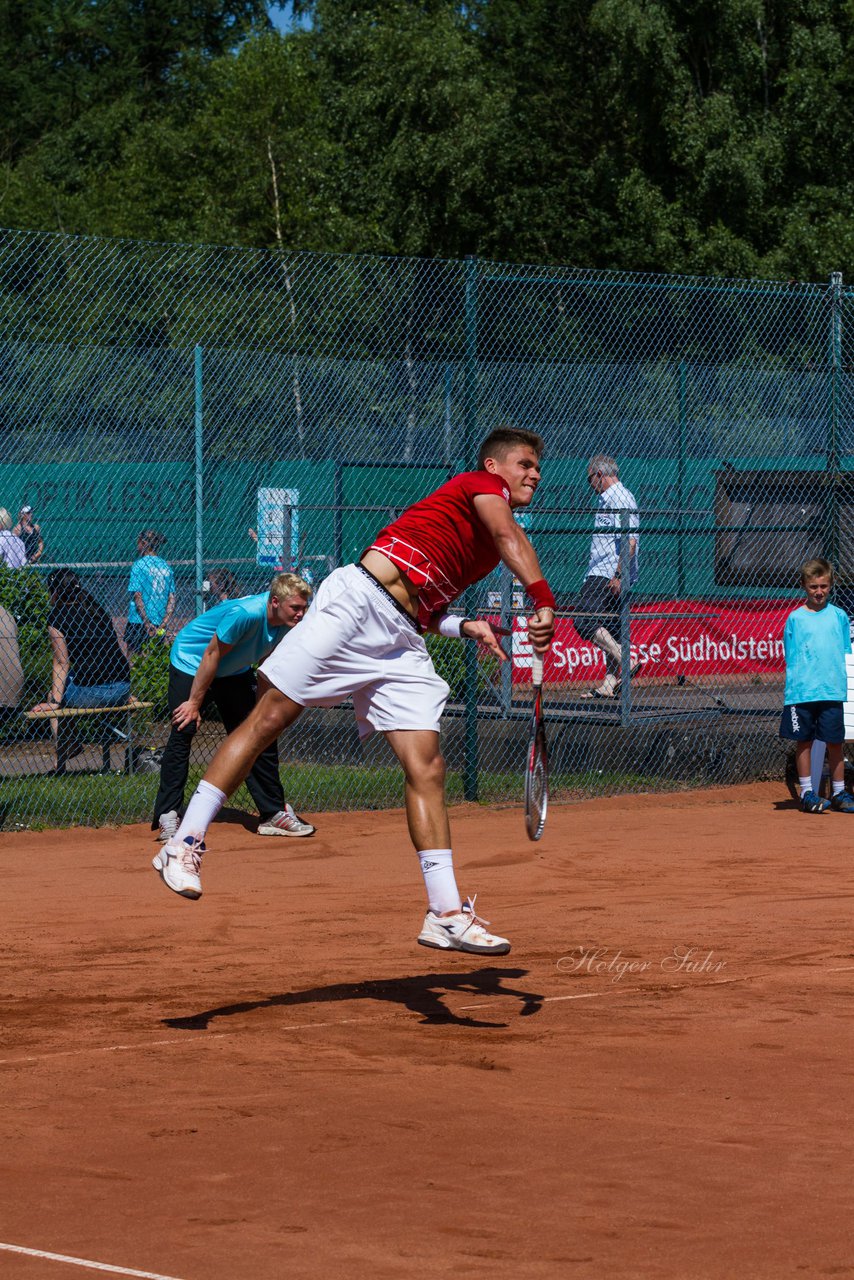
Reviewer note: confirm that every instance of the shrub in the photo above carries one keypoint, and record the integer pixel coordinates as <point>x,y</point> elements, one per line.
<point>449,659</point>
<point>150,680</point>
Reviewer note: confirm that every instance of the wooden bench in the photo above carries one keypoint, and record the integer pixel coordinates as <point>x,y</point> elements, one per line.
<point>66,717</point>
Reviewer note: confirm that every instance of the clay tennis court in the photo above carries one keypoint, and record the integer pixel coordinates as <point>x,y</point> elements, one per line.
<point>277,1082</point>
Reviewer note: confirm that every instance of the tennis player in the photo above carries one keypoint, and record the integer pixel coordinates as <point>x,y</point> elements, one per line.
<point>362,639</point>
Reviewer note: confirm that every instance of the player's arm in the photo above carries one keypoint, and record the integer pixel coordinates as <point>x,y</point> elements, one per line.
<point>170,609</point>
<point>449,624</point>
<point>136,596</point>
<point>61,668</point>
<point>517,553</point>
<point>190,712</point>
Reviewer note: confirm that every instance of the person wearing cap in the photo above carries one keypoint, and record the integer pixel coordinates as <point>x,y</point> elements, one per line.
<point>13,553</point>
<point>30,534</point>
<point>152,592</point>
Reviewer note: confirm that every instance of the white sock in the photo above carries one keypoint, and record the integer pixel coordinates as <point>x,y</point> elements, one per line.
<point>205,804</point>
<point>838,788</point>
<point>805,785</point>
<point>437,868</point>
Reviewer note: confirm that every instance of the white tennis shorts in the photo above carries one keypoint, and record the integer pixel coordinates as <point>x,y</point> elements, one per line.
<point>354,643</point>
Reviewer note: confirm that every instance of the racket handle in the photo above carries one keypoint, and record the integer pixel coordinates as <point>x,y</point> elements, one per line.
<point>537,669</point>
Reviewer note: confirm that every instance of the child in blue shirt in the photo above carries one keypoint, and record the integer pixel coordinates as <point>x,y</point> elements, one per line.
<point>152,592</point>
<point>816,638</point>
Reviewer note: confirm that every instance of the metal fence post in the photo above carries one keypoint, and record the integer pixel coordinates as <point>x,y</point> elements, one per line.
<point>831,538</point>
<point>470,772</point>
<point>680,477</point>
<point>624,520</point>
<point>506,621</point>
<point>199,475</point>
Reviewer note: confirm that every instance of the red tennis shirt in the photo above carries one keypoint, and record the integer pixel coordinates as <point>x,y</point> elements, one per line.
<point>440,542</point>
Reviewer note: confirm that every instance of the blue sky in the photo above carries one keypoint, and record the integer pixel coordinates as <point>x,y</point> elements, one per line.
<point>282,17</point>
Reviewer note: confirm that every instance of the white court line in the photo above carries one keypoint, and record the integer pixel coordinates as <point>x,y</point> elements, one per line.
<point>185,1039</point>
<point>85,1262</point>
<point>615,989</point>
<point>101,1048</point>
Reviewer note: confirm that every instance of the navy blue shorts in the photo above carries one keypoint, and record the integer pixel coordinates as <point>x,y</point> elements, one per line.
<point>806,721</point>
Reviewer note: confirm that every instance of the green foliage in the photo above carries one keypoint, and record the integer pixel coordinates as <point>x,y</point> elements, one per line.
<point>150,682</point>
<point>709,138</point>
<point>24,595</point>
<point>449,659</point>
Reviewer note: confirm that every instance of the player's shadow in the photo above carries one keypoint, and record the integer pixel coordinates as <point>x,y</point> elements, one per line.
<point>423,993</point>
<point>238,818</point>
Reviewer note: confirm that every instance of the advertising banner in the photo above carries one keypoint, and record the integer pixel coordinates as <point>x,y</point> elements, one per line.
<point>720,638</point>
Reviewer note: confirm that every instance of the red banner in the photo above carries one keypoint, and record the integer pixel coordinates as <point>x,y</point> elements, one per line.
<point>672,638</point>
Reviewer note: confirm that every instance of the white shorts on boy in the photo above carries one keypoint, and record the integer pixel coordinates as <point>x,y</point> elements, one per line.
<point>354,642</point>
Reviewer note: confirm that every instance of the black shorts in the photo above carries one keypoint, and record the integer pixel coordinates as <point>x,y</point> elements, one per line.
<point>806,721</point>
<point>597,598</point>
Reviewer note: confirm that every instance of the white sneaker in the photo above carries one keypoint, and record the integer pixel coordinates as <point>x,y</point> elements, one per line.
<point>285,823</point>
<point>169,823</point>
<point>179,863</point>
<point>462,932</point>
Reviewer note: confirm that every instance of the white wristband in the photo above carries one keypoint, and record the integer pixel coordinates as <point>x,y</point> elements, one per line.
<point>450,624</point>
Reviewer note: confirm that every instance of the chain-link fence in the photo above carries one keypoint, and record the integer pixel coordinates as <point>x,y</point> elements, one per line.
<point>258,410</point>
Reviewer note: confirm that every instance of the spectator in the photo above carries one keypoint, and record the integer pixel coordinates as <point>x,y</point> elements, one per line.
<point>89,668</point>
<point>223,586</point>
<point>599,602</point>
<point>30,534</point>
<point>816,640</point>
<point>13,553</point>
<point>152,593</point>
<point>11,671</point>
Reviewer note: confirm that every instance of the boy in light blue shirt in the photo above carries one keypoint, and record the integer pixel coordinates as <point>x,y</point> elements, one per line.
<point>816,638</point>
<point>152,592</point>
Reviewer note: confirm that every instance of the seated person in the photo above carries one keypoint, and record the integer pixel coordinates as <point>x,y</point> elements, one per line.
<point>11,671</point>
<point>223,586</point>
<point>89,668</point>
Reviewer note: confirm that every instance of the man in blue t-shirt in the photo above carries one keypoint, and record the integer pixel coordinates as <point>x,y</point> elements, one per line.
<point>212,660</point>
<point>152,592</point>
<point>816,638</point>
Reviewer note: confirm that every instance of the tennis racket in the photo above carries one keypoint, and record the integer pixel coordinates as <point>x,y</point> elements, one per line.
<point>537,769</point>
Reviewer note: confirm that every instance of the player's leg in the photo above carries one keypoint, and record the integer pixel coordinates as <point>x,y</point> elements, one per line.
<point>179,862</point>
<point>272,714</point>
<point>424,773</point>
<point>450,923</point>
<point>236,697</point>
<point>312,664</point>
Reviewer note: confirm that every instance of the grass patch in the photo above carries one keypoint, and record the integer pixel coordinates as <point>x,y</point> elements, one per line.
<point>103,800</point>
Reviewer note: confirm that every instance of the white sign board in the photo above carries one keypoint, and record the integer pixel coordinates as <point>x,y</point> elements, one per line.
<point>278,528</point>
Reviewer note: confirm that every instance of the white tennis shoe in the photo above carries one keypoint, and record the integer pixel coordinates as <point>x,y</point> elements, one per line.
<point>285,823</point>
<point>179,863</point>
<point>169,824</point>
<point>463,931</point>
